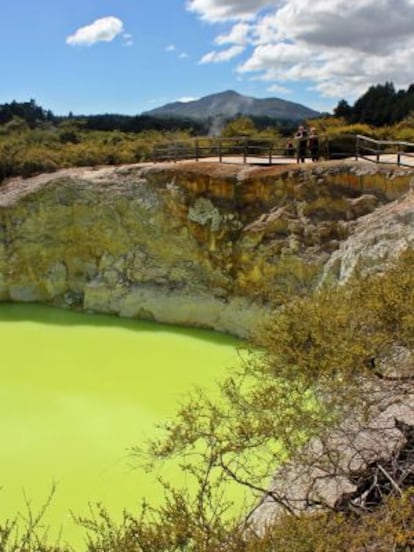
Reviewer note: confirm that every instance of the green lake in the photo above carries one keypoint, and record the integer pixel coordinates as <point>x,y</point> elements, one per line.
<point>78,392</point>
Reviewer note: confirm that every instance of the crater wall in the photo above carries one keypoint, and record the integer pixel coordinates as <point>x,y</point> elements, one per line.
<point>210,245</point>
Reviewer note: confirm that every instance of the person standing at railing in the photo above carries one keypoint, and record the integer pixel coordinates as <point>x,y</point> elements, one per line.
<point>301,138</point>
<point>314,144</point>
<point>290,149</point>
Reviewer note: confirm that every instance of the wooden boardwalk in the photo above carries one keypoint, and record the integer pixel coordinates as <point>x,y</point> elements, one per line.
<point>231,150</point>
<point>259,151</point>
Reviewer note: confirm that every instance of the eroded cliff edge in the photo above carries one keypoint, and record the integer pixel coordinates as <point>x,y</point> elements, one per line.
<point>210,245</point>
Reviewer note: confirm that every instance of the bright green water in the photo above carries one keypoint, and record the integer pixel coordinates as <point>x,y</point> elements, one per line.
<point>77,392</point>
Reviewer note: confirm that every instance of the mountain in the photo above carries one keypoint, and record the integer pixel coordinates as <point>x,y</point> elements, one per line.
<point>230,103</point>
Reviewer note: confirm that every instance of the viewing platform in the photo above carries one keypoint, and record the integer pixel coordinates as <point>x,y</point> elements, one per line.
<point>262,151</point>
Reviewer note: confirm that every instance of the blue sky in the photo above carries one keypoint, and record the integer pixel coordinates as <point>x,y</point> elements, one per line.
<point>129,56</point>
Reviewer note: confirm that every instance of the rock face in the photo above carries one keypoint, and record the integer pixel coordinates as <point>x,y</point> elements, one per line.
<point>217,246</point>
<point>353,467</point>
<point>377,239</point>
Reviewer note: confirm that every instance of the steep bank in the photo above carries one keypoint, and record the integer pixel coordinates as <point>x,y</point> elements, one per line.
<point>376,241</point>
<point>209,245</point>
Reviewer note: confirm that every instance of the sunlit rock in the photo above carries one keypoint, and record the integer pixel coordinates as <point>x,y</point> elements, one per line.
<point>200,244</point>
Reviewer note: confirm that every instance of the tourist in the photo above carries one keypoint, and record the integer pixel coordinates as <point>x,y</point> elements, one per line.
<point>314,144</point>
<point>301,138</point>
<point>290,149</point>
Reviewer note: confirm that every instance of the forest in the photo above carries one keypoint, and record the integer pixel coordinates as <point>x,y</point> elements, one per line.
<point>381,105</point>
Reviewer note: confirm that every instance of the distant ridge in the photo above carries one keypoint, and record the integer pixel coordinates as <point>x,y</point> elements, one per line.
<point>230,103</point>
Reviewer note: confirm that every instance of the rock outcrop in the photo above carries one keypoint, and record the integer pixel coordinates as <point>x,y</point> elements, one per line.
<point>376,241</point>
<point>217,246</point>
<point>369,456</point>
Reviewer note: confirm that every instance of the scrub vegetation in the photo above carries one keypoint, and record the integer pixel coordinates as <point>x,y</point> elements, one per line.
<point>316,363</point>
<point>34,140</point>
<point>26,151</point>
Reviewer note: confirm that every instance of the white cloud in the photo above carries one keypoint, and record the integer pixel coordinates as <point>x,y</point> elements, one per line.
<point>239,34</point>
<point>172,49</point>
<point>101,30</point>
<point>222,10</point>
<point>128,39</point>
<point>366,25</point>
<point>336,47</point>
<point>272,59</point>
<point>186,99</point>
<point>222,55</point>
<point>278,89</point>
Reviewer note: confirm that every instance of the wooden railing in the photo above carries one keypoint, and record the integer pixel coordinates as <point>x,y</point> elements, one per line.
<point>249,149</point>
<point>262,150</point>
<point>384,151</point>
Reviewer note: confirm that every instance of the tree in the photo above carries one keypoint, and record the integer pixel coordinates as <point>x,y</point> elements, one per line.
<point>376,105</point>
<point>343,109</point>
<point>241,126</point>
<point>28,111</point>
